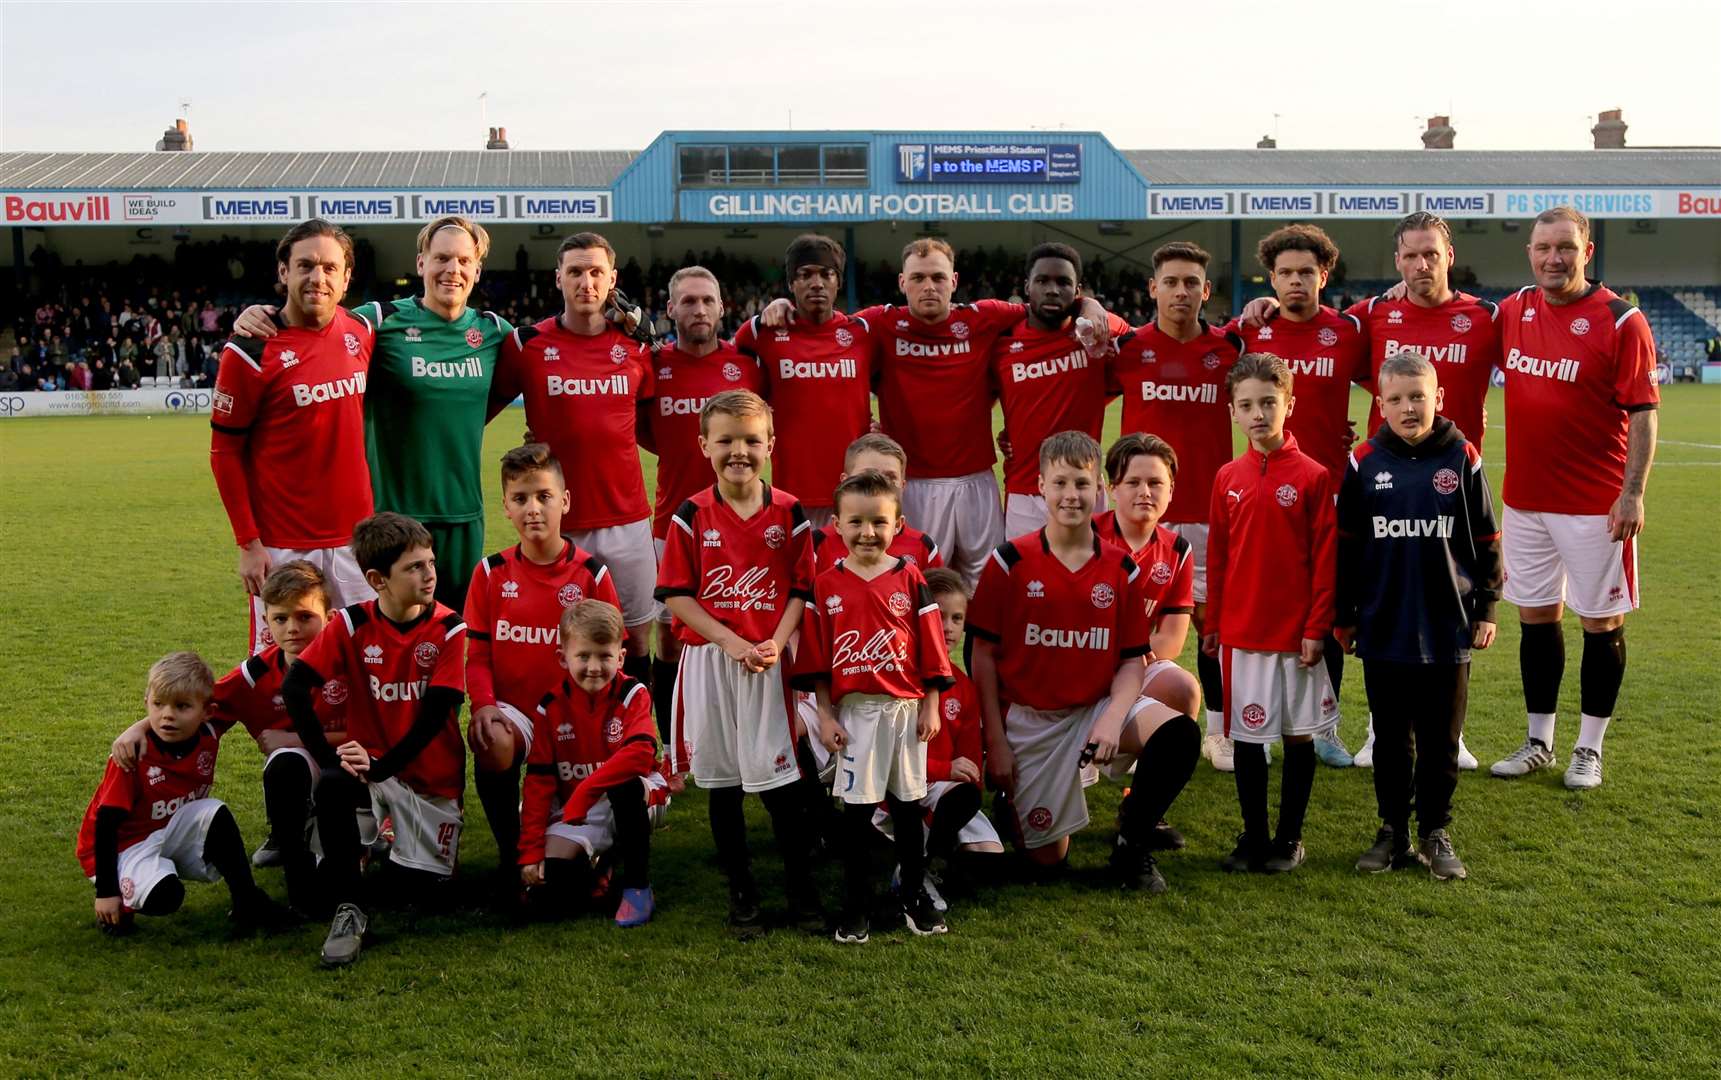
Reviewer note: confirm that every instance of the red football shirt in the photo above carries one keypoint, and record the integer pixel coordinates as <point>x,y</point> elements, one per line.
<point>1325,354</point>
<point>684,384</point>
<point>1272,551</point>
<point>1460,337</point>
<point>1166,559</point>
<point>818,378</point>
<point>390,666</point>
<point>934,395</point>
<point>250,694</point>
<point>960,734</point>
<point>582,745</point>
<point>743,571</point>
<point>883,636</point>
<point>1574,374</point>
<point>151,793</point>
<point>1048,383</point>
<point>1059,635</point>
<point>582,395</point>
<point>910,543</point>
<point>513,621</point>
<point>1176,390</point>
<point>286,409</point>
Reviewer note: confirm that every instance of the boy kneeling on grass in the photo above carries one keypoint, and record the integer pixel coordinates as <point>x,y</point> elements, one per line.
<point>591,775</point>
<point>1419,575</point>
<point>403,654</point>
<point>149,829</point>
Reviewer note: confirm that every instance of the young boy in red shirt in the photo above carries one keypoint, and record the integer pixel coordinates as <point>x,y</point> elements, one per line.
<point>514,606</point>
<point>295,609</point>
<point>149,828</point>
<point>1060,629</point>
<point>737,572</point>
<point>404,656</point>
<point>1271,560</point>
<point>592,773</point>
<point>873,653</point>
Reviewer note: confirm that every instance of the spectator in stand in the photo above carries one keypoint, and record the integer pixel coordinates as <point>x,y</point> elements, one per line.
<point>163,353</point>
<point>209,320</point>
<point>47,380</point>
<point>78,376</point>
<point>9,378</point>
<point>126,352</point>
<point>125,375</point>
<point>101,375</point>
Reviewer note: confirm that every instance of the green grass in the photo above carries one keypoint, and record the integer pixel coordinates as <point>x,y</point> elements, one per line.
<point>1585,943</point>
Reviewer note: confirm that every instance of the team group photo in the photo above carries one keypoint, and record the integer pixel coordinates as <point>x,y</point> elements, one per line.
<point>1213,612</point>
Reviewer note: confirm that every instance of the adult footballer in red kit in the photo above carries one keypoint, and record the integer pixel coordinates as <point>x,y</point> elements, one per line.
<point>817,374</point>
<point>292,407</point>
<point>1581,399</point>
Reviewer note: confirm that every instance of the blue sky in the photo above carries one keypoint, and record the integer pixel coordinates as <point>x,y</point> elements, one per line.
<point>270,76</point>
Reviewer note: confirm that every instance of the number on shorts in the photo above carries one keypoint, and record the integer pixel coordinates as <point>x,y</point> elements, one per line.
<point>445,836</point>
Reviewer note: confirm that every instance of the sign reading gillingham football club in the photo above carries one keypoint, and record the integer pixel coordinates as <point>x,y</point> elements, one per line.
<point>1295,202</point>
<point>875,206</point>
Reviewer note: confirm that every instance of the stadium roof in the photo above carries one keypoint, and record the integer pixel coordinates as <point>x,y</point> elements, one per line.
<point>517,169</point>
<point>333,169</point>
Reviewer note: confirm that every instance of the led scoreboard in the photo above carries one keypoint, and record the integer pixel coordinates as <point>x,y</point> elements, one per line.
<point>1001,163</point>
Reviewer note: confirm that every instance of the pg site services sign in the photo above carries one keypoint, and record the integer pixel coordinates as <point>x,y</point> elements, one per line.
<point>1296,203</point>
<point>142,208</point>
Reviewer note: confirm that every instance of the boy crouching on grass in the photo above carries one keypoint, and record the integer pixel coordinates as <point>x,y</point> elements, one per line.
<point>872,650</point>
<point>403,655</point>
<point>295,609</point>
<point>1419,575</point>
<point>591,774</point>
<point>149,829</point>
<point>1060,628</point>
<point>1270,561</point>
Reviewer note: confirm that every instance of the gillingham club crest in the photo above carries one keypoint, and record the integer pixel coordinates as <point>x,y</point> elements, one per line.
<point>1328,337</point>
<point>570,594</point>
<point>1254,717</point>
<point>426,653</point>
<point>844,337</point>
<point>1461,323</point>
<point>899,604</point>
<point>1446,481</point>
<point>352,344</point>
<point>474,337</point>
<point>1160,574</point>
<point>618,353</point>
<point>1102,596</point>
<point>1287,495</point>
<point>774,537</point>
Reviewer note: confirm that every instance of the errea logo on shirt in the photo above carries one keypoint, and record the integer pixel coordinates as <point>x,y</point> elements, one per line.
<point>713,538</point>
<point>1382,481</point>
<point>833,605</point>
<point>510,590</point>
<point>564,732</point>
<point>1036,589</point>
<point>289,358</point>
<point>373,654</point>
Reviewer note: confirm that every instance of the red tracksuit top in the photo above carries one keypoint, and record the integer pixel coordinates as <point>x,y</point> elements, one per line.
<point>1272,551</point>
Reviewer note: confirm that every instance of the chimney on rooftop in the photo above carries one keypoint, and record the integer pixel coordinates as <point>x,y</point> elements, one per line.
<point>177,137</point>
<point>1440,133</point>
<point>1609,131</point>
<point>1267,143</point>
<point>498,139</point>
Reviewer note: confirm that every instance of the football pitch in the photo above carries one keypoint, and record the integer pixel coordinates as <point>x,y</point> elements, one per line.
<point>1587,941</point>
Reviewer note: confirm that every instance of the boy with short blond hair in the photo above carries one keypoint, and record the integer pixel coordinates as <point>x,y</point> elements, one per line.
<point>592,773</point>
<point>873,653</point>
<point>295,608</point>
<point>1271,557</point>
<point>149,828</point>
<point>737,572</point>
<point>514,606</point>
<point>1419,576</point>
<point>403,654</point>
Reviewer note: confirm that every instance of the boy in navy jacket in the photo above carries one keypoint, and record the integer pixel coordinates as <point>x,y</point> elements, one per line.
<point>1419,576</point>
